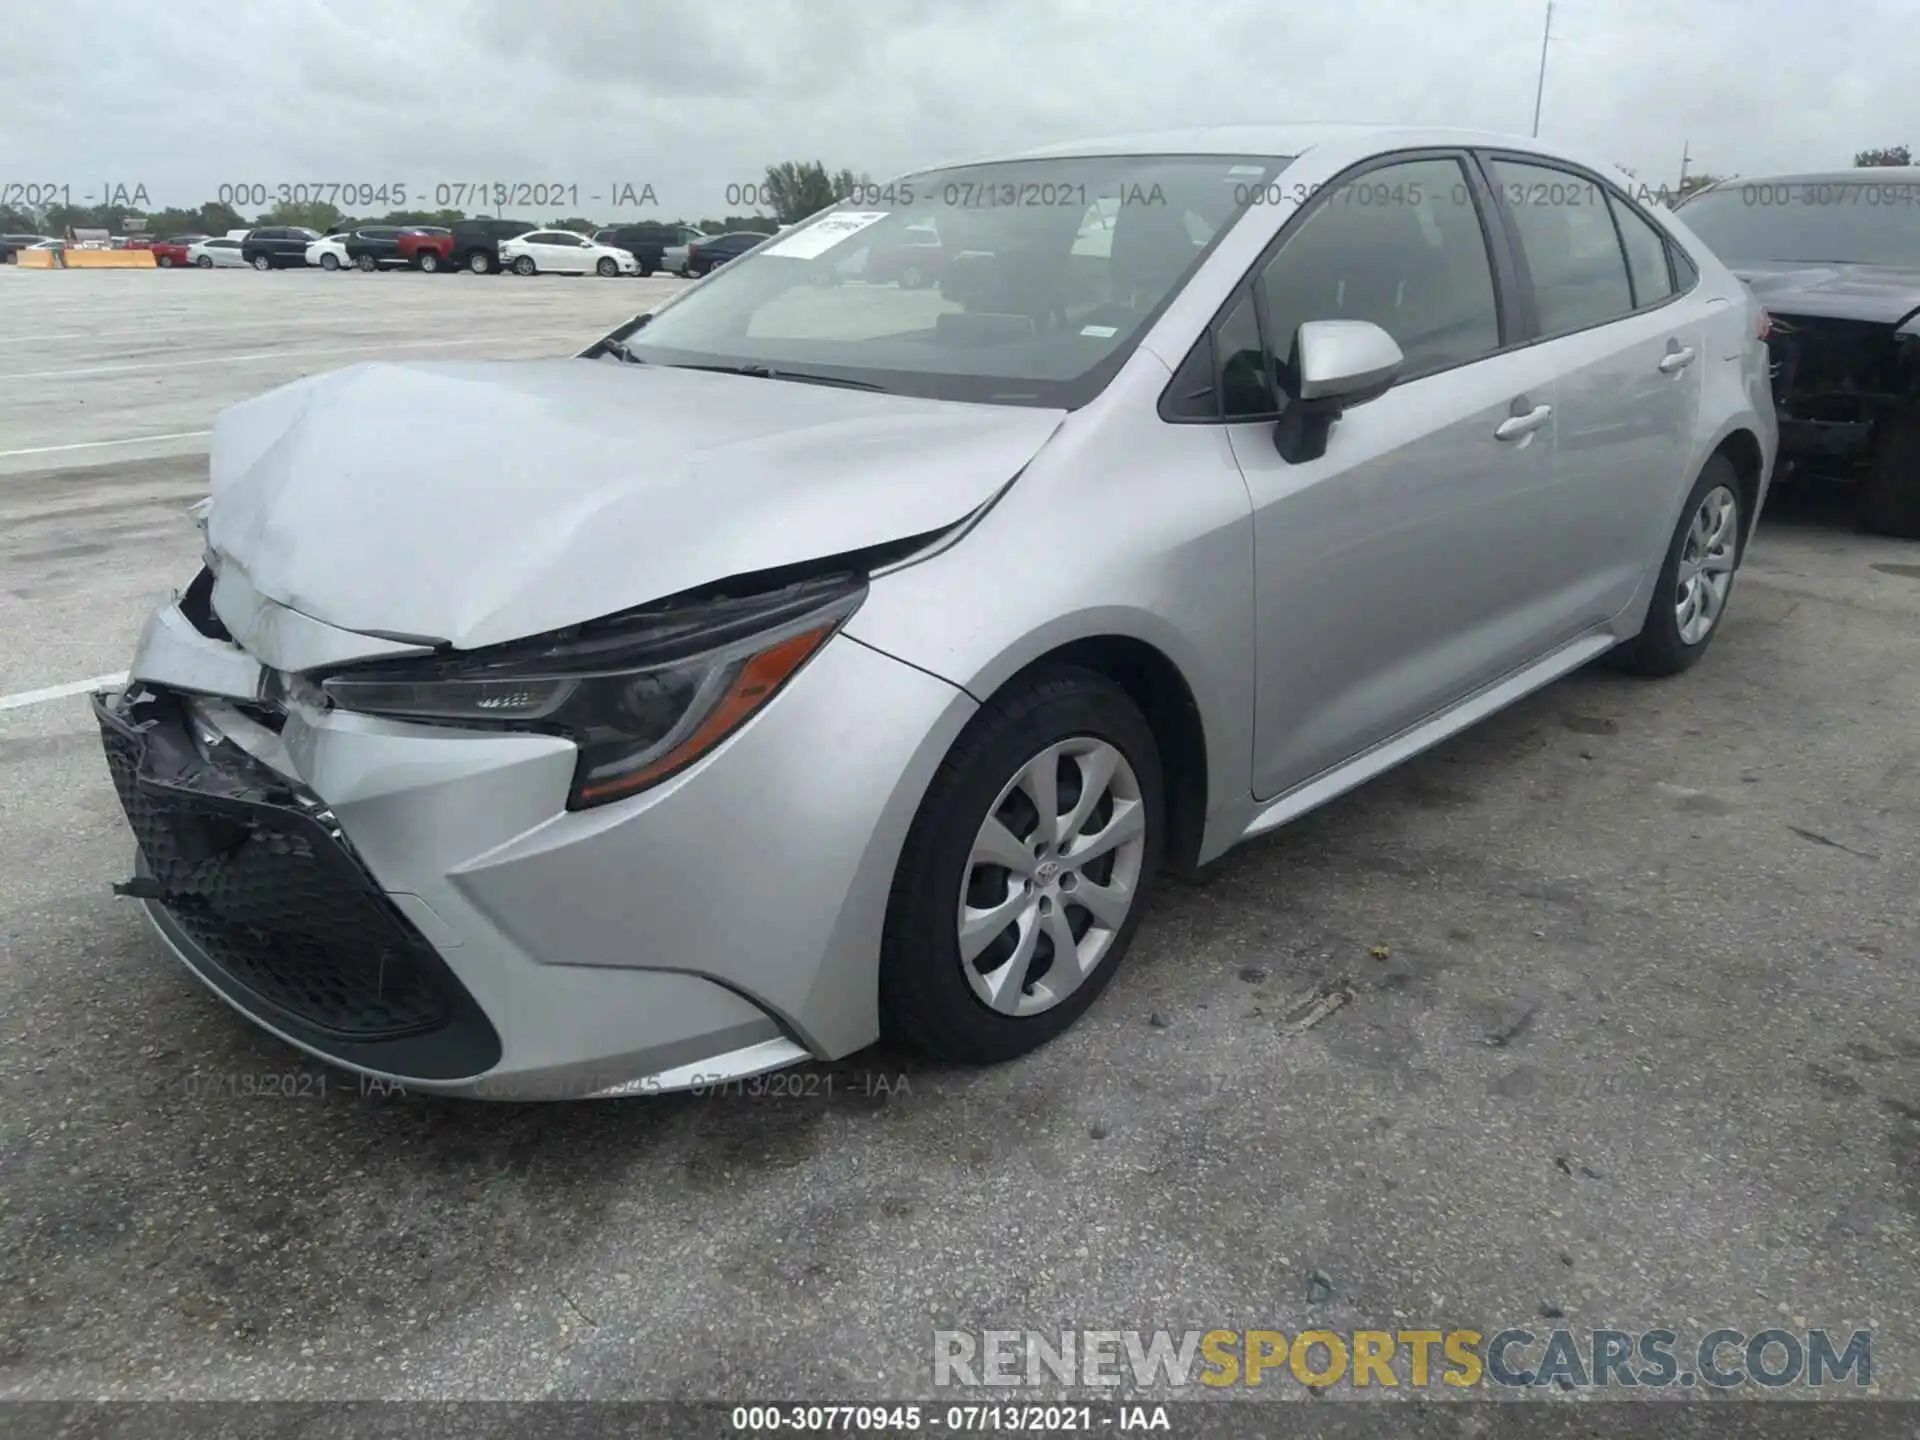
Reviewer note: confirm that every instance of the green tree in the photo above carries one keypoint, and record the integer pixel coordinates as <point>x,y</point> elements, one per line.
<point>1891,155</point>
<point>575,224</point>
<point>313,214</point>
<point>1699,180</point>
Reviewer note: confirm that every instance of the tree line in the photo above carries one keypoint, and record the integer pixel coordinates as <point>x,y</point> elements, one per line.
<point>792,190</point>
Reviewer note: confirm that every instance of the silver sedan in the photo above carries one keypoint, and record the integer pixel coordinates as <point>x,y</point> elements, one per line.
<point>803,663</point>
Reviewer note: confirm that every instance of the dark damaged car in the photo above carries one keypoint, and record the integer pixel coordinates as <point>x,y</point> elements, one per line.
<point>1835,259</point>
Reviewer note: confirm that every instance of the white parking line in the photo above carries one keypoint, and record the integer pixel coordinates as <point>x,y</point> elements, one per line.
<point>102,444</point>
<point>59,692</point>
<point>279,355</point>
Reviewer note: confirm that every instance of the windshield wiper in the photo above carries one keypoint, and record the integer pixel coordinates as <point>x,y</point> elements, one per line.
<point>764,372</point>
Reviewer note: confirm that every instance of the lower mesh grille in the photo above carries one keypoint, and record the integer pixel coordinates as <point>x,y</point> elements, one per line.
<point>254,873</point>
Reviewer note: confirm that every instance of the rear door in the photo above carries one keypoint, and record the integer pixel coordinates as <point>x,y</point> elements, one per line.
<point>1601,297</point>
<point>1415,561</point>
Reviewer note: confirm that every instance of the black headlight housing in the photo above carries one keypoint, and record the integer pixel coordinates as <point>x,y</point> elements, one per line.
<point>644,694</point>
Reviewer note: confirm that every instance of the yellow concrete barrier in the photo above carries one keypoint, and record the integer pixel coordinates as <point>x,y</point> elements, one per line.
<point>109,259</point>
<point>36,259</point>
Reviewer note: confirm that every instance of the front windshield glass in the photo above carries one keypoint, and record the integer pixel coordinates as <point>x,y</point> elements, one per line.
<point>1025,282</point>
<point>1853,222</point>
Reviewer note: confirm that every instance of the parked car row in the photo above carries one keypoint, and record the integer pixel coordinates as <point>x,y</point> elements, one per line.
<point>482,247</point>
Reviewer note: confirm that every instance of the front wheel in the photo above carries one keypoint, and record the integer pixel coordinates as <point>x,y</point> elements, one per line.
<point>608,268</point>
<point>261,262</point>
<point>1025,872</point>
<point>524,265</point>
<point>165,262</point>
<point>366,264</point>
<point>429,261</point>
<point>1695,581</point>
<point>205,262</point>
<point>480,263</point>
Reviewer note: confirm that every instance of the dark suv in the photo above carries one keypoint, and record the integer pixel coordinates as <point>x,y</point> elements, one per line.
<point>476,243</point>
<point>272,246</point>
<point>643,241</point>
<point>372,246</point>
<point>704,256</point>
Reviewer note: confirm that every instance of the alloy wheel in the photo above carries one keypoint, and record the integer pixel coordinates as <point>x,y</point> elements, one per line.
<point>1052,876</point>
<point>1707,559</point>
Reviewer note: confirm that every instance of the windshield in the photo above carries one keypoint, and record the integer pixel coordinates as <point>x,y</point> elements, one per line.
<point>1021,283</point>
<point>1853,222</point>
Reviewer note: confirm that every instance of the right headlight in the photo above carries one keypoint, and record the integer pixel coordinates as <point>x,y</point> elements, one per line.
<point>644,696</point>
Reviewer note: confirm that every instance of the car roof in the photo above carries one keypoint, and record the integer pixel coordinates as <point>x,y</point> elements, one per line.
<point>1858,175</point>
<point>1291,140</point>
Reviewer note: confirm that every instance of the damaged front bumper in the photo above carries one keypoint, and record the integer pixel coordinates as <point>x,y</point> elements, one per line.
<point>415,902</point>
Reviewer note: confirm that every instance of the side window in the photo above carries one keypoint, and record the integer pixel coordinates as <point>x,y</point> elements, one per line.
<point>1571,248</point>
<point>1685,271</point>
<point>1401,246</point>
<point>1245,392</point>
<point>1646,254</point>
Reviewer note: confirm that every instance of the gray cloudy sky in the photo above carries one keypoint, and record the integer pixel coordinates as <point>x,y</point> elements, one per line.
<point>186,95</point>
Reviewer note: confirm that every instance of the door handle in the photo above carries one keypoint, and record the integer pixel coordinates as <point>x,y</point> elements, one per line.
<point>1516,426</point>
<point>1674,361</point>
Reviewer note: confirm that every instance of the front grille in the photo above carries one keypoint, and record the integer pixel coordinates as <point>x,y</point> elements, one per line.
<point>253,871</point>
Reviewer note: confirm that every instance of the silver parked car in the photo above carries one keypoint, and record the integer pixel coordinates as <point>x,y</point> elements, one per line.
<point>806,663</point>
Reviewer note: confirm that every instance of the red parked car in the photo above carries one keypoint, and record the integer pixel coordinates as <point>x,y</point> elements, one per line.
<point>426,247</point>
<point>173,250</point>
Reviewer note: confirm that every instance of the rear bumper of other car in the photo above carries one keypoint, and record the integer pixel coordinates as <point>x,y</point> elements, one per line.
<point>417,904</point>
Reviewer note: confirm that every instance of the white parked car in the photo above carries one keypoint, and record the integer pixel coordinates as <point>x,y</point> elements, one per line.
<point>565,252</point>
<point>215,254</point>
<point>329,252</point>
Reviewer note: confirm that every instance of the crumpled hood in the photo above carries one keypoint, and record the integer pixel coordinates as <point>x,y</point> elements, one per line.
<point>479,502</point>
<point>1880,294</point>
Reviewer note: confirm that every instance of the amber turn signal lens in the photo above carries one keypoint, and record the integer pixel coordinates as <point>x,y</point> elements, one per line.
<point>756,684</point>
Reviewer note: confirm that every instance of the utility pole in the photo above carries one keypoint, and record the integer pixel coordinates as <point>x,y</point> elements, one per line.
<point>1546,34</point>
<point>1686,153</point>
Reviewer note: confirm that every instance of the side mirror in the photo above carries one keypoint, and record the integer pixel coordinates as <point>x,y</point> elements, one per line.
<point>1335,365</point>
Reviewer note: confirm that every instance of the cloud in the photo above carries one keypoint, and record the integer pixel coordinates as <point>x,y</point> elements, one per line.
<point>188,95</point>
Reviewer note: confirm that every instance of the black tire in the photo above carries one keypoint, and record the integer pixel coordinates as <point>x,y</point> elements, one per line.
<point>524,266</point>
<point>1659,649</point>
<point>925,998</point>
<point>205,262</point>
<point>165,262</point>
<point>647,267</point>
<point>262,262</point>
<point>366,264</point>
<point>1890,498</point>
<point>329,261</point>
<point>608,268</point>
<point>480,263</point>
<point>429,261</point>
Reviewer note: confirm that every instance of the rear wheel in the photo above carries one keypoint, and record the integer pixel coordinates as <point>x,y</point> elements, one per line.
<point>367,264</point>
<point>1026,870</point>
<point>524,265</point>
<point>165,262</point>
<point>1890,499</point>
<point>647,267</point>
<point>262,262</point>
<point>480,263</point>
<point>911,278</point>
<point>1696,578</point>
<point>329,262</point>
<point>205,262</point>
<point>429,261</point>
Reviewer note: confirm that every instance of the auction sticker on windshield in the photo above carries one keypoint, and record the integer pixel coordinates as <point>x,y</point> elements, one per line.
<point>825,233</point>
